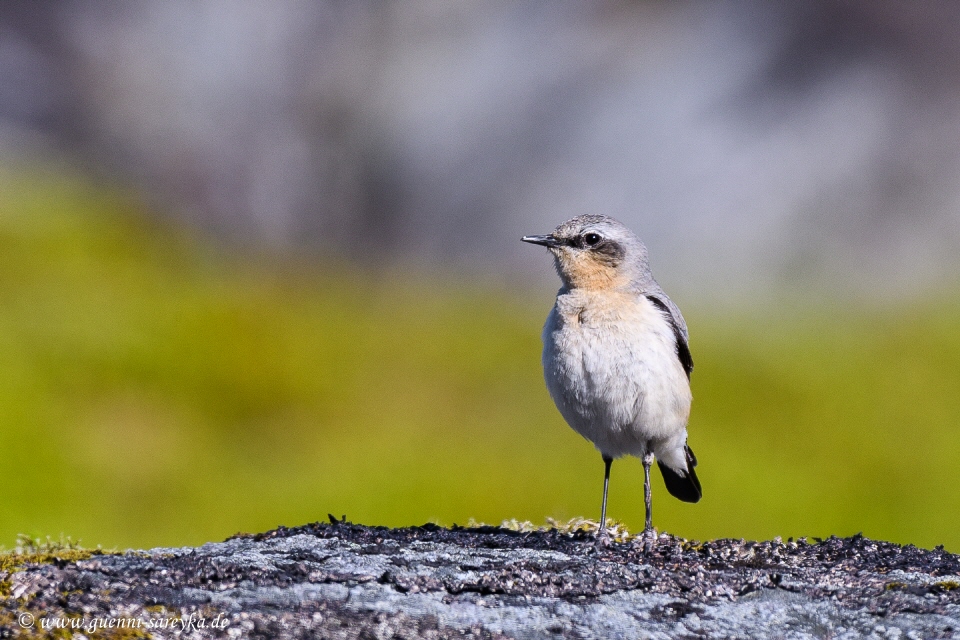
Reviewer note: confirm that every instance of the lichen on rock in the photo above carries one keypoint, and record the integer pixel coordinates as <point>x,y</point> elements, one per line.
<point>342,580</point>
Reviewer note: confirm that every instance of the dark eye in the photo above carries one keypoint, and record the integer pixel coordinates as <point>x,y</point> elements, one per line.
<point>591,238</point>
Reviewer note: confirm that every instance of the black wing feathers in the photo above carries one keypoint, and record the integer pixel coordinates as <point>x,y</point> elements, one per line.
<point>683,486</point>
<point>683,351</point>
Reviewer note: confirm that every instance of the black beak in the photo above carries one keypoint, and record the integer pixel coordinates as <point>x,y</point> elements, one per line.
<point>547,241</point>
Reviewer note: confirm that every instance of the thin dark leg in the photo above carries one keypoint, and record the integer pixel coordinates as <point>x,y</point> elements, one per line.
<point>647,491</point>
<point>606,483</point>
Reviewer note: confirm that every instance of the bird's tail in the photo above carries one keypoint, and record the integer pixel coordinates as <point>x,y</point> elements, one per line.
<point>683,486</point>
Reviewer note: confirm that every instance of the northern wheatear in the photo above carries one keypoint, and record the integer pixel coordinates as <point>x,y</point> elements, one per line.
<point>615,355</point>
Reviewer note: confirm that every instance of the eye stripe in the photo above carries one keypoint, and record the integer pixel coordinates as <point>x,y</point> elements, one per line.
<point>612,252</point>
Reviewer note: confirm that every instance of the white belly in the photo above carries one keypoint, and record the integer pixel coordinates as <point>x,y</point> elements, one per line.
<point>612,369</point>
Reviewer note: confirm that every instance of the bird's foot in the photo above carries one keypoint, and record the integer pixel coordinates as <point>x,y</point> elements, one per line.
<point>602,537</point>
<point>647,540</point>
<point>603,540</point>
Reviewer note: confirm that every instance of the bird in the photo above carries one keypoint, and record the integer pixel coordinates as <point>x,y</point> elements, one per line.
<point>616,356</point>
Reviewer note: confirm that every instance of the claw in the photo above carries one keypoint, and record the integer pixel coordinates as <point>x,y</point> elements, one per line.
<point>603,540</point>
<point>647,541</point>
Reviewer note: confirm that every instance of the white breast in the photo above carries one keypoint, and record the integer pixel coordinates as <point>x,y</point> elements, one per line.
<point>611,366</point>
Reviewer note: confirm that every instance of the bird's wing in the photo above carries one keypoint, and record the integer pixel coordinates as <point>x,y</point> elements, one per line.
<point>679,326</point>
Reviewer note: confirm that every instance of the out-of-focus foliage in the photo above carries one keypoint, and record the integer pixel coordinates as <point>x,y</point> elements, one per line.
<point>156,389</point>
<point>755,144</point>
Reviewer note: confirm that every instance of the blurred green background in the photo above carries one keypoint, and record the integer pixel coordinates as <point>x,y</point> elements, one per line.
<point>157,389</point>
<point>260,261</point>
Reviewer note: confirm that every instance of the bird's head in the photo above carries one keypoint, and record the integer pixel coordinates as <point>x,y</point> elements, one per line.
<point>596,252</point>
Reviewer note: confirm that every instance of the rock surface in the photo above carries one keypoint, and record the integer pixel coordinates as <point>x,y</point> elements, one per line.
<point>341,580</point>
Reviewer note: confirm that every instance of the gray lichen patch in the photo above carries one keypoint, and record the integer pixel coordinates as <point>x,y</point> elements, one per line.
<point>342,580</point>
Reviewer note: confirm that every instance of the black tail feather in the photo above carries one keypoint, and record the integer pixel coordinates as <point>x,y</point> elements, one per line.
<point>684,487</point>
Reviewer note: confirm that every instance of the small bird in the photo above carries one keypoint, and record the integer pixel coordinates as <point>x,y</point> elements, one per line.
<point>615,355</point>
